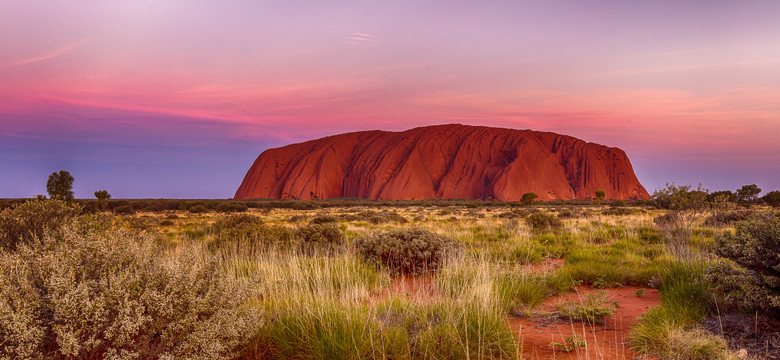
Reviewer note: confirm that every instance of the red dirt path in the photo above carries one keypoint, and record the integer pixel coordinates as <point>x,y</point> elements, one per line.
<point>608,341</point>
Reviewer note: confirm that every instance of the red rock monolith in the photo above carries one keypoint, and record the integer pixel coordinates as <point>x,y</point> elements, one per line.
<point>443,161</point>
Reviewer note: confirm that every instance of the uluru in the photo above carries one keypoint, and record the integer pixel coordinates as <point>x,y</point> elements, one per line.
<point>443,161</point>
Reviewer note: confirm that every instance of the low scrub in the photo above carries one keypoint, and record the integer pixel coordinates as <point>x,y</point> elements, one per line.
<point>324,237</point>
<point>728,218</point>
<point>323,219</point>
<point>105,294</point>
<point>376,217</point>
<point>544,221</point>
<point>407,251</point>
<point>28,222</point>
<point>248,231</point>
<point>591,308</point>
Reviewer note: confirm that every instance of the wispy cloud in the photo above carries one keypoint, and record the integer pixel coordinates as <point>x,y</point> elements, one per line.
<point>53,54</point>
<point>362,39</point>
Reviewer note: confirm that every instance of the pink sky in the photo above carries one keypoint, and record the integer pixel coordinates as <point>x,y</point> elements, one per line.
<point>176,98</point>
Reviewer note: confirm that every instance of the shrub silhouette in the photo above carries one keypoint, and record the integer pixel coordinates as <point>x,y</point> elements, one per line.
<point>60,186</point>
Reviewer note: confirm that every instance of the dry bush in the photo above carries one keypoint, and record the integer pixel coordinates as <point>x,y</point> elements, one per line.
<point>324,237</point>
<point>28,222</point>
<point>109,295</point>
<point>406,251</point>
<point>323,219</point>
<point>544,221</point>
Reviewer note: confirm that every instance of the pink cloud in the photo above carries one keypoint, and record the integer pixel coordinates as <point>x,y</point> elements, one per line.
<point>61,51</point>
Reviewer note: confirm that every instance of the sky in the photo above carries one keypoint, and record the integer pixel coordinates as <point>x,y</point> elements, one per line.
<point>176,98</point>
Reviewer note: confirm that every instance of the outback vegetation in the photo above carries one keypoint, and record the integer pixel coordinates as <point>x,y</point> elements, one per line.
<point>691,275</point>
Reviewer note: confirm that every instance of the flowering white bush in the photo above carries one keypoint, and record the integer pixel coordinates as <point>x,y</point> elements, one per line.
<point>109,295</point>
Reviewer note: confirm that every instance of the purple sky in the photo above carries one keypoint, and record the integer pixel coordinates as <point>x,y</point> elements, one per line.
<point>175,99</point>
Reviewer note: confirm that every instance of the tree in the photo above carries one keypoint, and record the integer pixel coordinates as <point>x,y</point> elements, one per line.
<point>685,207</point>
<point>60,186</point>
<point>722,201</point>
<point>772,198</point>
<point>724,195</point>
<point>748,194</point>
<point>102,196</point>
<point>600,195</point>
<point>528,198</point>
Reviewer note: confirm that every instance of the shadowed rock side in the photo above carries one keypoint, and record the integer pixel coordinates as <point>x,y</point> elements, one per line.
<point>445,161</point>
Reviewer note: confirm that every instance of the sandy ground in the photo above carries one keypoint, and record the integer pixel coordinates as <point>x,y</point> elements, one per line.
<point>604,341</point>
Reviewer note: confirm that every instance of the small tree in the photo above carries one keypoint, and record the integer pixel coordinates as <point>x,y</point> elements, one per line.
<point>685,207</point>
<point>528,198</point>
<point>60,186</point>
<point>748,194</point>
<point>102,197</point>
<point>600,195</point>
<point>722,201</point>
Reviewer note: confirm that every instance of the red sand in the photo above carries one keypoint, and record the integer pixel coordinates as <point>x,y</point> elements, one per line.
<point>604,341</point>
<point>546,265</point>
<point>608,341</point>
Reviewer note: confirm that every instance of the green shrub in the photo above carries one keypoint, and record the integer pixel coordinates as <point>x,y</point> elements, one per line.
<point>772,198</point>
<point>320,237</point>
<point>110,295</point>
<point>408,251</point>
<point>751,278</point>
<point>197,209</point>
<point>544,221</point>
<point>592,308</point>
<point>323,219</point>
<point>28,222</point>
<point>570,344</point>
<point>728,218</point>
<point>528,198</point>
<point>233,206</point>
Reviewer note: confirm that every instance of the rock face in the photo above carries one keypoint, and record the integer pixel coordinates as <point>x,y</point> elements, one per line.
<point>444,161</point>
